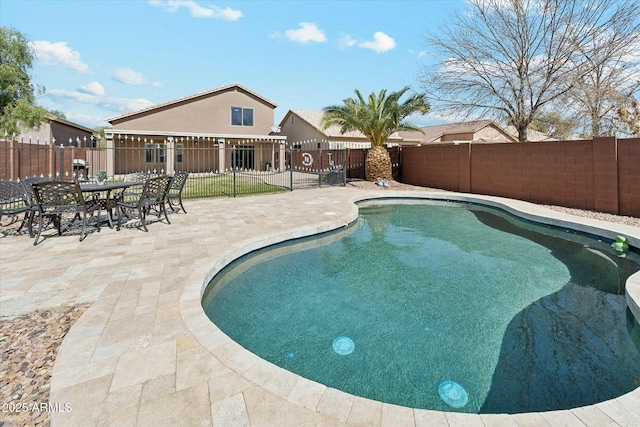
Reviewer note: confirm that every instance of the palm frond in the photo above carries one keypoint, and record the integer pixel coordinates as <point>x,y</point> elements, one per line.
<point>377,116</point>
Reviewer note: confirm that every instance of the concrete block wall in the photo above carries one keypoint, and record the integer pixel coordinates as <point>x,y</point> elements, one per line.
<point>601,174</point>
<point>629,175</point>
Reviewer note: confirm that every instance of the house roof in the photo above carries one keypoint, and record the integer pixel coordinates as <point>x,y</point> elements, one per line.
<point>192,97</point>
<point>532,135</point>
<point>54,118</point>
<point>314,118</point>
<point>432,133</point>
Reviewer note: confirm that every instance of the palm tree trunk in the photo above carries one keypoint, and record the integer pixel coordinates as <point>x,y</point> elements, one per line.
<point>377,164</point>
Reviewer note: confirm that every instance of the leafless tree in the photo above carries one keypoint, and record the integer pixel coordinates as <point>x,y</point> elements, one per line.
<point>612,59</point>
<point>629,116</point>
<point>511,58</point>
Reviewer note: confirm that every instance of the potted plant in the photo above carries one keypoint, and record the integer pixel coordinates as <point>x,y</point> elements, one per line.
<point>101,177</point>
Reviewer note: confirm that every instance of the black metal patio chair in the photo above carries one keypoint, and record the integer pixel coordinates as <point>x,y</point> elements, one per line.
<point>57,199</point>
<point>13,203</point>
<point>174,194</point>
<point>27,185</point>
<point>132,194</point>
<point>153,196</point>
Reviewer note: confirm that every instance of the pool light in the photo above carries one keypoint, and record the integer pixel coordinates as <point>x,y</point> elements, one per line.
<point>343,345</point>
<point>453,394</point>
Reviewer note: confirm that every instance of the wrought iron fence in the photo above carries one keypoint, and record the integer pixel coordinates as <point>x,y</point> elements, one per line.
<point>215,169</point>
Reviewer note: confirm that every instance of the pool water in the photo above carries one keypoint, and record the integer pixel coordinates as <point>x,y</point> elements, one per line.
<point>420,297</point>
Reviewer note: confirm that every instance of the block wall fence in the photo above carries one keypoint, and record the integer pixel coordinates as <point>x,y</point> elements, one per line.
<point>602,174</point>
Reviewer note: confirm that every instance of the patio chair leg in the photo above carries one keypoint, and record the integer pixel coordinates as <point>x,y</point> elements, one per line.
<point>83,233</point>
<point>24,221</point>
<point>179,202</point>
<point>163,209</point>
<point>30,223</point>
<point>142,213</point>
<point>57,222</point>
<point>35,242</point>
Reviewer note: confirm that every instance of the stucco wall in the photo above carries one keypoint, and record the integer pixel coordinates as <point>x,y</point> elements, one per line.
<point>60,132</point>
<point>297,130</point>
<point>208,114</point>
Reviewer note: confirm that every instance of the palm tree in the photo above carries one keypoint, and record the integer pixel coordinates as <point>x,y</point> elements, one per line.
<point>377,118</point>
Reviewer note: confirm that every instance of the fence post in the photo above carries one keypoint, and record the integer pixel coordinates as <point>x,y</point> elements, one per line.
<point>344,166</point>
<point>11,157</point>
<point>233,168</point>
<point>158,159</point>
<point>61,176</point>
<point>290,169</point>
<point>320,166</point>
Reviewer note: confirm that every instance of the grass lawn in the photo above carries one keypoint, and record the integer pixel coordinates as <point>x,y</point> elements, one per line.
<point>222,186</point>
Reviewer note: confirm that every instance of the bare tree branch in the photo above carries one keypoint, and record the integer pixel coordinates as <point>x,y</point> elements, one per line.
<point>515,57</point>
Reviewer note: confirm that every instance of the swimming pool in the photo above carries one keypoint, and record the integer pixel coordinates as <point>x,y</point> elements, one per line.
<point>398,285</point>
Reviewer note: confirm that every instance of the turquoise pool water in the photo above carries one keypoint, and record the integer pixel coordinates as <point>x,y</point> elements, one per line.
<point>417,299</point>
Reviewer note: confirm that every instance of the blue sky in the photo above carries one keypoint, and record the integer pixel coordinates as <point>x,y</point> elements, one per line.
<point>99,59</point>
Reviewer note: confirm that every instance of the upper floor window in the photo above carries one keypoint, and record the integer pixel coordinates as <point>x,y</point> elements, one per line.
<point>241,116</point>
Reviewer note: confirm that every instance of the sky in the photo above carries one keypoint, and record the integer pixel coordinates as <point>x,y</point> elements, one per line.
<point>98,59</point>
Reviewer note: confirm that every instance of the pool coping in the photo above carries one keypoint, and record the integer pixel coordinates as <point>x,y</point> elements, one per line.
<point>313,395</point>
<point>144,352</point>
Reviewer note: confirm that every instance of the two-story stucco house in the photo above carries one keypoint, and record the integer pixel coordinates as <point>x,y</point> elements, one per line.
<point>169,136</point>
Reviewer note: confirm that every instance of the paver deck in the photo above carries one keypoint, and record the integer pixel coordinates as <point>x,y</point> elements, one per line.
<point>145,354</point>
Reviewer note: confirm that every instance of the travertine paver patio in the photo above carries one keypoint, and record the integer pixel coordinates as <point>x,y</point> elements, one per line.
<point>145,354</point>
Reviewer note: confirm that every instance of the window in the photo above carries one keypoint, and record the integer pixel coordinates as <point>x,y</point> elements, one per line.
<point>162,153</point>
<point>179,153</point>
<point>243,157</point>
<point>149,153</point>
<point>155,153</point>
<point>241,116</point>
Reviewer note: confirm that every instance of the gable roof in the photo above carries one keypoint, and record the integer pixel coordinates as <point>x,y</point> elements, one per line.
<point>432,133</point>
<point>54,118</point>
<point>532,135</point>
<point>314,119</point>
<point>194,96</point>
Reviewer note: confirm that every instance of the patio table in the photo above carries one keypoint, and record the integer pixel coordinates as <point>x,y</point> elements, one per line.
<point>108,202</point>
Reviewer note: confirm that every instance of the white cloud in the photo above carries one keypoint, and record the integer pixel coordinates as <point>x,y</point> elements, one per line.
<point>381,43</point>
<point>93,88</point>
<point>198,11</point>
<point>131,77</point>
<point>87,120</point>
<point>419,54</point>
<point>58,53</point>
<point>120,105</point>
<point>346,41</point>
<point>308,32</point>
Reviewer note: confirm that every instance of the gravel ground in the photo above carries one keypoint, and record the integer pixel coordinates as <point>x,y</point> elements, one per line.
<point>29,348</point>
<point>30,342</point>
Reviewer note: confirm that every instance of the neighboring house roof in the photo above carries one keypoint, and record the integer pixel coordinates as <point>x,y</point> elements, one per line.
<point>532,135</point>
<point>66,122</point>
<point>434,133</point>
<point>194,96</point>
<point>314,118</point>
